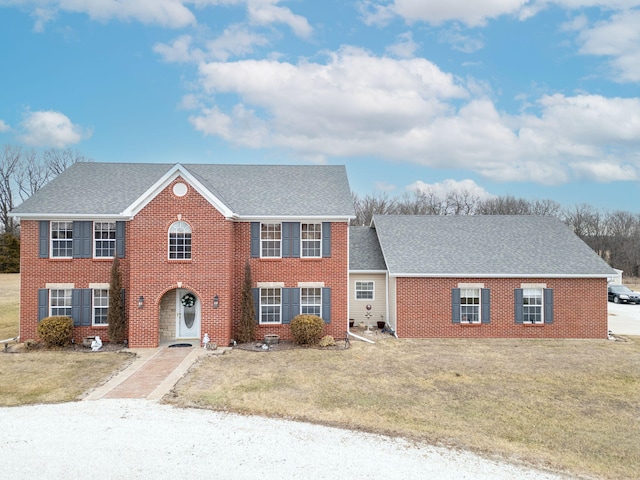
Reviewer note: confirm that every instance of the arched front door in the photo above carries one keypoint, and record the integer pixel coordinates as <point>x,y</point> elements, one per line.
<point>187,314</point>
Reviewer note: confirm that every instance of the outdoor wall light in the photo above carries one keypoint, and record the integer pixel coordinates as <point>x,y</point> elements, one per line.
<point>216,301</point>
<point>140,301</point>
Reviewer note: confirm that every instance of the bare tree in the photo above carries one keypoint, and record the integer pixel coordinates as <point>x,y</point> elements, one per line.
<point>9,166</point>
<point>31,175</point>
<point>504,205</point>
<point>370,205</point>
<point>58,160</point>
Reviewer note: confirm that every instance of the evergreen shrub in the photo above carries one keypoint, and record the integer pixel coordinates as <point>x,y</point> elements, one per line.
<point>306,329</point>
<point>56,331</point>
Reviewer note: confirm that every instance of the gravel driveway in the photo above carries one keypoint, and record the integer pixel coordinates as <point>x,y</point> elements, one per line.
<point>140,439</point>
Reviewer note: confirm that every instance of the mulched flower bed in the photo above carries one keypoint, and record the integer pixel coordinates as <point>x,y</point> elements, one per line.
<point>287,345</point>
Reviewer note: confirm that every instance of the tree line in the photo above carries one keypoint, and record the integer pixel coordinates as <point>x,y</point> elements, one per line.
<point>614,235</point>
<point>22,173</point>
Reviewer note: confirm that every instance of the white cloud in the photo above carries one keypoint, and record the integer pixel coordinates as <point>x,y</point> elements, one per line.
<point>436,12</point>
<point>357,104</point>
<point>405,47</point>
<point>442,189</point>
<point>619,39</point>
<point>266,12</point>
<point>459,41</point>
<point>384,187</point>
<point>4,127</point>
<point>50,129</point>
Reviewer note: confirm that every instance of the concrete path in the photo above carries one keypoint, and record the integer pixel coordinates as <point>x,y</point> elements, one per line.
<point>153,373</point>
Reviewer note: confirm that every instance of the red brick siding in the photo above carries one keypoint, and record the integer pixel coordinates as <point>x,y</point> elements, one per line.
<point>220,248</point>
<point>424,309</point>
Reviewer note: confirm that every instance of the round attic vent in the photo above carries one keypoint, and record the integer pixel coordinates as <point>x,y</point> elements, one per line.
<point>180,189</point>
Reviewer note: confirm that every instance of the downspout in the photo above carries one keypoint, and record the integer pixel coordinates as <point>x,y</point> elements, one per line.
<point>349,332</point>
<point>395,327</point>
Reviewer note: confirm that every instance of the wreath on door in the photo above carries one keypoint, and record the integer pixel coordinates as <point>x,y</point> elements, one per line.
<point>188,300</point>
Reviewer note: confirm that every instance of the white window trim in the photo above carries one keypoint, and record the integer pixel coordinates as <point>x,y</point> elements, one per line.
<point>70,296</point>
<point>279,322</point>
<point>51,238</point>
<point>96,240</point>
<point>181,222</point>
<point>93,308</point>
<point>270,240</point>
<point>319,305</point>
<point>319,241</point>
<point>479,289</point>
<point>373,290</point>
<point>541,306</point>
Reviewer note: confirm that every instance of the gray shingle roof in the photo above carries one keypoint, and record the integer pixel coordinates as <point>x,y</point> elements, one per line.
<point>364,250</point>
<point>489,245</point>
<point>247,190</point>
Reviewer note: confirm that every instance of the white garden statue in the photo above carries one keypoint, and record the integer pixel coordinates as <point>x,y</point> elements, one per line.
<point>96,344</point>
<point>205,340</point>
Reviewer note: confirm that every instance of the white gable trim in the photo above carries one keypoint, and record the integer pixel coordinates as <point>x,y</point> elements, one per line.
<point>176,171</point>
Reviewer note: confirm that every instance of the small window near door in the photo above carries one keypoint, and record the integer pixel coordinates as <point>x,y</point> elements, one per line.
<point>364,290</point>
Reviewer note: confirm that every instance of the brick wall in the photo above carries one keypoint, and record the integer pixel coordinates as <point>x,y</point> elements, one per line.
<point>424,309</point>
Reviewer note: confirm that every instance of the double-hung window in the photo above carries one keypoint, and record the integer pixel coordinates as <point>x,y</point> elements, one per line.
<point>311,301</point>
<point>271,239</point>
<point>311,236</point>
<point>104,237</point>
<point>180,241</point>
<point>532,305</point>
<point>364,290</point>
<point>60,303</point>
<point>470,305</point>
<point>270,305</point>
<point>100,307</point>
<point>61,239</point>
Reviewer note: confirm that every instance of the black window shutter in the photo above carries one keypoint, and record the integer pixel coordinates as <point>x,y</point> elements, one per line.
<point>256,302</point>
<point>85,318</point>
<point>519,308</point>
<point>485,300</point>
<point>120,239</point>
<point>326,305</point>
<point>43,303</point>
<point>295,239</point>
<point>285,309</point>
<point>294,307</point>
<point>43,239</point>
<point>76,306</point>
<point>255,240</point>
<point>286,239</point>
<point>455,305</point>
<point>82,236</point>
<point>326,239</point>
<point>548,306</point>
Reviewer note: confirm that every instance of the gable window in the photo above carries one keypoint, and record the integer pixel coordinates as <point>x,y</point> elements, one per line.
<point>311,301</point>
<point>364,290</point>
<point>180,241</point>
<point>270,305</point>
<point>60,303</point>
<point>100,307</point>
<point>532,305</point>
<point>311,235</point>
<point>61,239</point>
<point>470,305</point>
<point>270,239</point>
<point>104,235</point>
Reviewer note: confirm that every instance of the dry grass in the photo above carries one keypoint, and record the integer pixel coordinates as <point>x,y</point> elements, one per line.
<point>9,301</point>
<point>46,376</point>
<point>50,376</point>
<point>570,405</point>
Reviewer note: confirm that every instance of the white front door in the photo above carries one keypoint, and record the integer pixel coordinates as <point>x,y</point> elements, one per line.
<point>187,314</point>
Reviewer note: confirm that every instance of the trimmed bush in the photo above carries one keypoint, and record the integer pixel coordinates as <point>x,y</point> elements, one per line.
<point>56,331</point>
<point>306,329</point>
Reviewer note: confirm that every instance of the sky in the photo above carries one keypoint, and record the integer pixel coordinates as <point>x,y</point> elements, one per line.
<point>537,99</point>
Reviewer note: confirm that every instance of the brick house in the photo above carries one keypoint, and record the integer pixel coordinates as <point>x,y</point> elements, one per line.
<point>183,234</point>
<point>477,276</point>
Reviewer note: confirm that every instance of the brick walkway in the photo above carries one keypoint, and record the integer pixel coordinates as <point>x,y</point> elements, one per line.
<point>151,375</point>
